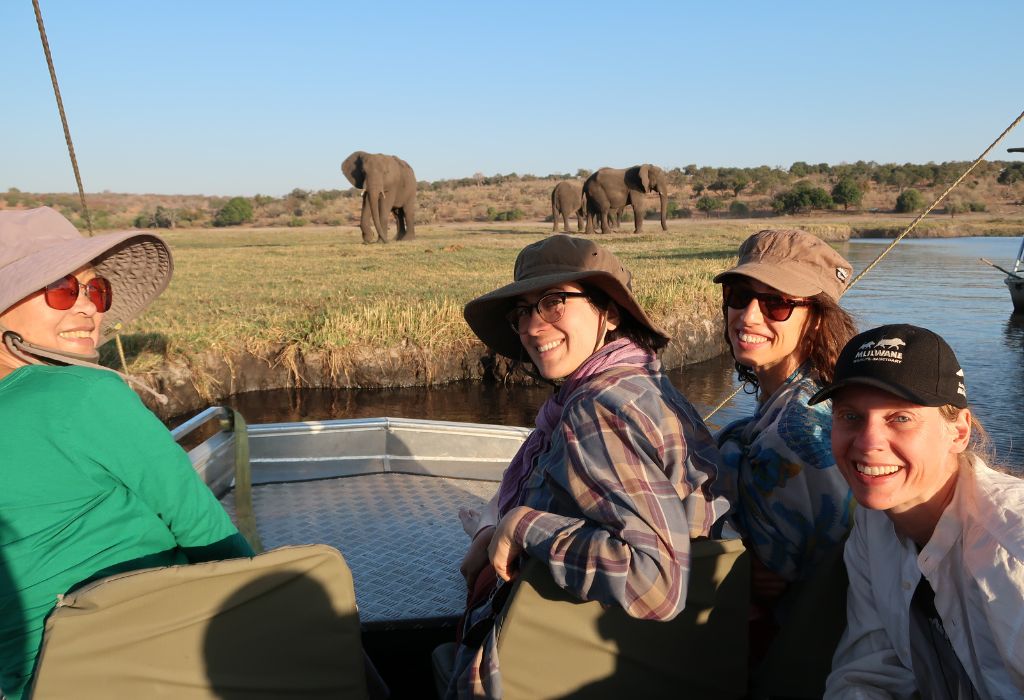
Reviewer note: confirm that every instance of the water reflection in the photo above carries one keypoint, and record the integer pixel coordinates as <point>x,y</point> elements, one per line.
<point>705,384</point>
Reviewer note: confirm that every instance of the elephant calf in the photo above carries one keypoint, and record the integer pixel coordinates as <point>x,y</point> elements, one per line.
<point>389,186</point>
<point>566,199</point>
<point>610,189</point>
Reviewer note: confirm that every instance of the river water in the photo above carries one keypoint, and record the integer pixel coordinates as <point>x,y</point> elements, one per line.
<point>936,283</point>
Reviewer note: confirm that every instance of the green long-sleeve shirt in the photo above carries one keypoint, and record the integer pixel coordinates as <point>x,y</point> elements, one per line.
<point>91,483</point>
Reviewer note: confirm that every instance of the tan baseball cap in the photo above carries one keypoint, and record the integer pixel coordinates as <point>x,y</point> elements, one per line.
<point>795,262</point>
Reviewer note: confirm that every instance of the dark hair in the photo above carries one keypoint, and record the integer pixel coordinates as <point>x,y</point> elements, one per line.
<point>828,329</point>
<point>628,326</point>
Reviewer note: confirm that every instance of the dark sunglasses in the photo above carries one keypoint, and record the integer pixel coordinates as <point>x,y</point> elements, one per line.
<point>773,306</point>
<point>550,308</point>
<point>62,294</point>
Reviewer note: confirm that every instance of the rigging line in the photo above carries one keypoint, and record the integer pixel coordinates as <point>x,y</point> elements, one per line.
<point>913,224</point>
<point>63,116</point>
<point>78,176</point>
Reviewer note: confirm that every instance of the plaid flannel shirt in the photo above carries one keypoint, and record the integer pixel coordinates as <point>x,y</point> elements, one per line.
<point>630,476</point>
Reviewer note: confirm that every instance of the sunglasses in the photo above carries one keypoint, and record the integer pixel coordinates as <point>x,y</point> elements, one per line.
<point>773,306</point>
<point>550,308</point>
<point>62,294</point>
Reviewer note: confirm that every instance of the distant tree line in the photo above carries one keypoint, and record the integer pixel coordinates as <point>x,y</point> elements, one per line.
<point>801,188</point>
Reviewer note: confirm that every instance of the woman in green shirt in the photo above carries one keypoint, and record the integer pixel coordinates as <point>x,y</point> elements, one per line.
<point>91,483</point>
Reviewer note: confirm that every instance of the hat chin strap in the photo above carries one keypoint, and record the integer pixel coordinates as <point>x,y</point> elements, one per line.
<point>33,354</point>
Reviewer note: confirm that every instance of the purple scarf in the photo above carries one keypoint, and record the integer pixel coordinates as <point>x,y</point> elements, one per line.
<point>621,352</point>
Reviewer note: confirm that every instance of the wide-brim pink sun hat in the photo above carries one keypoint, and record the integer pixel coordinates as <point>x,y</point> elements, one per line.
<point>39,246</point>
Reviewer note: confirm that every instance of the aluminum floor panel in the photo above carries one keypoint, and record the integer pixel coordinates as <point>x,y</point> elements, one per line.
<point>399,533</point>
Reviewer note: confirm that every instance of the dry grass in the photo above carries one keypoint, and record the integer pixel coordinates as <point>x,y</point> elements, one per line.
<point>321,288</point>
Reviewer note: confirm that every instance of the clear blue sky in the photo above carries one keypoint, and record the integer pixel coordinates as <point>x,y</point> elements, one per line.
<point>232,97</point>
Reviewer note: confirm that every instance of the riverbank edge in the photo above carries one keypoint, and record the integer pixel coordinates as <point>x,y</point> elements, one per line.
<point>208,378</point>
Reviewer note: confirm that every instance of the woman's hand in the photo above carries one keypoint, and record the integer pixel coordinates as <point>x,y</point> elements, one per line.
<point>504,550</point>
<point>765,585</point>
<point>476,556</point>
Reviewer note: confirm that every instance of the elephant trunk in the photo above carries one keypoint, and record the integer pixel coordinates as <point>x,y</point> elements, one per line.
<point>664,208</point>
<point>380,219</point>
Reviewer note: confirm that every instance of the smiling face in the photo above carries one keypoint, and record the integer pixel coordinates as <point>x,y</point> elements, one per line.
<point>772,349</point>
<point>558,349</point>
<point>896,455</point>
<point>75,330</point>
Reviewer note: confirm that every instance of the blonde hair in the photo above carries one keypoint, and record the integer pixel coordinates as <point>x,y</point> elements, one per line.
<point>980,444</point>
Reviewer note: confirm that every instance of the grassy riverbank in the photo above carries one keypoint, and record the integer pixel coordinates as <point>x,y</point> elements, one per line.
<point>263,308</point>
<point>322,288</point>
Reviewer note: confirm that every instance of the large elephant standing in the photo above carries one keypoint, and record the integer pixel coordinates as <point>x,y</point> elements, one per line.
<point>567,199</point>
<point>389,185</point>
<point>609,189</point>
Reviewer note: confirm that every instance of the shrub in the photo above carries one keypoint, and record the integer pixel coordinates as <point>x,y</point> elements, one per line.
<point>977,206</point>
<point>510,215</point>
<point>708,204</point>
<point>739,210</point>
<point>237,211</point>
<point>909,200</point>
<point>801,198</point>
<point>161,218</point>
<point>953,208</point>
<point>1011,174</point>
<point>296,221</point>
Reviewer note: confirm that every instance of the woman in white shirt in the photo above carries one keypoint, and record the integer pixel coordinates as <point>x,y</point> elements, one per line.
<point>936,556</point>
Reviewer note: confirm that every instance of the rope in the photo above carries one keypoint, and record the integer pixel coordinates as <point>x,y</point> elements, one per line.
<point>913,224</point>
<point>63,116</point>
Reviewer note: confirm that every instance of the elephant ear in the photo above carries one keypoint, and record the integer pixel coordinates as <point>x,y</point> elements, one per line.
<point>354,169</point>
<point>645,177</point>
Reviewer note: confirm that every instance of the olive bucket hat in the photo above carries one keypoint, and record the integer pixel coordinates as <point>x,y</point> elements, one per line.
<point>39,246</point>
<point>547,263</point>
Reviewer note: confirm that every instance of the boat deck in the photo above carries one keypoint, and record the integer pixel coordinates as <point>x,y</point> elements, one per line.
<point>383,491</point>
<point>399,533</point>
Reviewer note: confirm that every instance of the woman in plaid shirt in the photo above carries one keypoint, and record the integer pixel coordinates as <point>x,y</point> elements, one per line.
<point>620,473</point>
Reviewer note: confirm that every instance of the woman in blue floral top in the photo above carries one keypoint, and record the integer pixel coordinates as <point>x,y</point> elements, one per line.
<point>785,330</point>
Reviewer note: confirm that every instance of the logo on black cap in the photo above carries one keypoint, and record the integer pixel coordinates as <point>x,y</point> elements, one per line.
<point>885,349</point>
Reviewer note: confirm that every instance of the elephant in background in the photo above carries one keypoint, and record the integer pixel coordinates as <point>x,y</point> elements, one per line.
<point>609,189</point>
<point>567,199</point>
<point>389,186</point>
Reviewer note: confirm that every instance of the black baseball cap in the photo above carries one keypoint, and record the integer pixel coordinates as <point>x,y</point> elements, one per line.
<point>908,361</point>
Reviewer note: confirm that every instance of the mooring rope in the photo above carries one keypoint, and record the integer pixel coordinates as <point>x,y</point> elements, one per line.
<point>63,116</point>
<point>913,224</point>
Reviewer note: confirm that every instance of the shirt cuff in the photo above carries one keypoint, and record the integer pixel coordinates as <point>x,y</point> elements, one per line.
<point>536,529</point>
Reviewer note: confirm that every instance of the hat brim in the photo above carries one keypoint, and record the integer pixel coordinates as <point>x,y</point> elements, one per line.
<point>788,279</point>
<point>919,398</point>
<point>486,314</point>
<point>138,265</point>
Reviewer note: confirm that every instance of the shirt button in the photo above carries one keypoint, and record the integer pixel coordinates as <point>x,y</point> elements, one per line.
<point>906,585</point>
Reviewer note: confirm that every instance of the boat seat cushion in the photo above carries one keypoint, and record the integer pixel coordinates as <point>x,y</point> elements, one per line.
<point>551,645</point>
<point>278,625</point>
